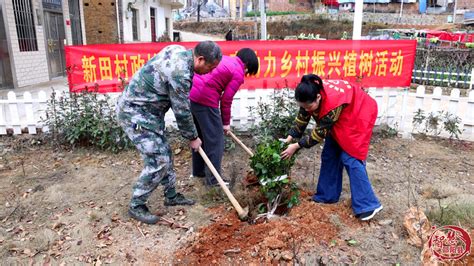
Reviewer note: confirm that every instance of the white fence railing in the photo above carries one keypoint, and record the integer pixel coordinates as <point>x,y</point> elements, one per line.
<point>444,77</point>
<point>22,113</point>
<point>397,108</point>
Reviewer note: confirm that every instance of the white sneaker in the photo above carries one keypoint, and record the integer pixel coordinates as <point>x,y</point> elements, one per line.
<point>365,216</point>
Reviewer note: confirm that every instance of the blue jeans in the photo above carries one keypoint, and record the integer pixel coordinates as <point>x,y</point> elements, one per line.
<point>329,188</point>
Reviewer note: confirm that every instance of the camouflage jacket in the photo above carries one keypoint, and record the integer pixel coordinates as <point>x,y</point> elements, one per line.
<point>163,82</point>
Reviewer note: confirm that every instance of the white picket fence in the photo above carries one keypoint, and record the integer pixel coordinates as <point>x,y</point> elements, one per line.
<point>396,108</point>
<point>17,113</point>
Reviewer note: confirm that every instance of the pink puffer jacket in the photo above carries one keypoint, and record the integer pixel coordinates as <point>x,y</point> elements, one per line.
<point>219,86</point>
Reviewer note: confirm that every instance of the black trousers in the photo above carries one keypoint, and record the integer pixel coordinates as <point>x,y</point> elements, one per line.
<point>208,122</point>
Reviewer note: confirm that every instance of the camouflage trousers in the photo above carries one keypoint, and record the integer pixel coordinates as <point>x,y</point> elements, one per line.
<point>157,163</point>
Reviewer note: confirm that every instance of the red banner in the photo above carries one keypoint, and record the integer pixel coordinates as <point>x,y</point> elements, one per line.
<point>282,63</point>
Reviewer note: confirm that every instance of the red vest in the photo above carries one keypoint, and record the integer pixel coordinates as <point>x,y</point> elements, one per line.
<point>353,129</point>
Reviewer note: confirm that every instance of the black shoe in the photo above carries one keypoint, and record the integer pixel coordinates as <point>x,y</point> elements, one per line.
<point>365,216</point>
<point>198,176</point>
<point>142,214</point>
<point>212,182</point>
<point>179,199</point>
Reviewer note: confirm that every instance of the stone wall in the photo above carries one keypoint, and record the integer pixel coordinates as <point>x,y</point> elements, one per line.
<point>408,8</point>
<point>290,5</point>
<point>407,19</point>
<point>388,18</point>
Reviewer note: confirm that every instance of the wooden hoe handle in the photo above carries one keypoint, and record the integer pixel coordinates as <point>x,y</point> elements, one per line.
<point>241,143</point>
<point>242,213</point>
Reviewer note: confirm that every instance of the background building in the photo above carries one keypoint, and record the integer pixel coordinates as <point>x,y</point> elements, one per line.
<point>32,38</point>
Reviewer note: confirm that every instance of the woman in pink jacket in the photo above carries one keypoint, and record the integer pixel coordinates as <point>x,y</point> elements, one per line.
<point>210,93</point>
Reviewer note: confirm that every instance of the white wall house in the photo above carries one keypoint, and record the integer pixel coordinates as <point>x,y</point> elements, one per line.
<point>32,38</point>
<point>147,21</point>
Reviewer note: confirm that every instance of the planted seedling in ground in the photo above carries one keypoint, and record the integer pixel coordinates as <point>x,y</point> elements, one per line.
<point>273,176</point>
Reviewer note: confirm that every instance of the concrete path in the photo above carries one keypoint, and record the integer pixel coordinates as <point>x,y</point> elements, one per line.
<point>58,84</point>
<point>193,37</point>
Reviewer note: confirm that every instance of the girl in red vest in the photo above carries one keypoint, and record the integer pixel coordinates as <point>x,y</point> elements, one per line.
<point>345,116</point>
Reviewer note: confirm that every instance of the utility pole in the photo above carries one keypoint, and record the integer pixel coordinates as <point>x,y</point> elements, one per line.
<point>357,28</point>
<point>232,4</point>
<point>263,20</point>
<point>401,11</point>
<point>454,13</point>
<point>241,9</point>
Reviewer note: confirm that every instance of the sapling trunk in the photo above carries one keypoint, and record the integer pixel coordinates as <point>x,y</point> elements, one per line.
<point>272,206</point>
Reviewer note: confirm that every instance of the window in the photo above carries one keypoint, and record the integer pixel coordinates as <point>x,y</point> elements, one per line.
<point>432,3</point>
<point>135,24</point>
<point>75,17</point>
<point>167,25</point>
<point>25,25</point>
<point>153,25</point>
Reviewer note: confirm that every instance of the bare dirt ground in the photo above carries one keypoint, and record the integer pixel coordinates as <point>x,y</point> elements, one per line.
<point>60,206</point>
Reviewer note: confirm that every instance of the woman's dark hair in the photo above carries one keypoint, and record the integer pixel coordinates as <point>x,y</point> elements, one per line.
<point>249,58</point>
<point>308,89</point>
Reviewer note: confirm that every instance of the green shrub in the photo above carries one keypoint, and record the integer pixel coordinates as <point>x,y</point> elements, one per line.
<point>273,175</point>
<point>275,118</point>
<point>272,13</point>
<point>450,123</point>
<point>84,119</point>
<point>387,131</point>
<point>455,213</point>
<point>418,119</point>
<point>433,121</point>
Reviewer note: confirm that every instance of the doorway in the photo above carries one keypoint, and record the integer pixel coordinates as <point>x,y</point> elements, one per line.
<point>153,25</point>
<point>55,35</point>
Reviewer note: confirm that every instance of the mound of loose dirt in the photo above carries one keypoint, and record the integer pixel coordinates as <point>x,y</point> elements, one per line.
<point>227,238</point>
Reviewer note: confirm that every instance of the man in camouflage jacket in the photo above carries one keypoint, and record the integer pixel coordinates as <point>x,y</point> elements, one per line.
<point>162,83</point>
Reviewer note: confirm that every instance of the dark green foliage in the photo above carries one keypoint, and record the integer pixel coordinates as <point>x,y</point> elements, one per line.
<point>450,123</point>
<point>418,119</point>
<point>85,119</point>
<point>276,117</point>
<point>271,170</point>
<point>272,13</point>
